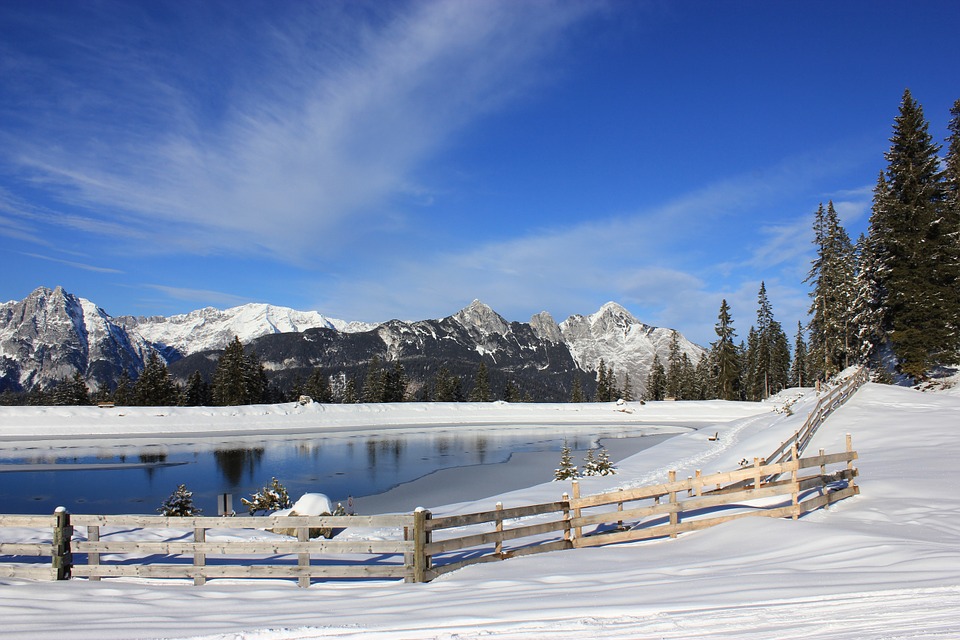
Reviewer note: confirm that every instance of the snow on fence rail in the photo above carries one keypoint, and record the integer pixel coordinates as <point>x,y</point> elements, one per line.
<point>413,547</point>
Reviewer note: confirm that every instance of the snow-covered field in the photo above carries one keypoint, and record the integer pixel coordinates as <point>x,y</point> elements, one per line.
<point>885,564</point>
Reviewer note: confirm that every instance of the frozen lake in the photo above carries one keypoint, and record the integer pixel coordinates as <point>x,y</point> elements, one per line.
<point>393,471</point>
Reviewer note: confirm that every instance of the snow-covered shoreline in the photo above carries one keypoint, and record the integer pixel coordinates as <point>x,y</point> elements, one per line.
<point>884,564</point>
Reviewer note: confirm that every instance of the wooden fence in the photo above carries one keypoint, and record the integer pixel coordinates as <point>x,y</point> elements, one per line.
<point>418,547</point>
<point>826,405</point>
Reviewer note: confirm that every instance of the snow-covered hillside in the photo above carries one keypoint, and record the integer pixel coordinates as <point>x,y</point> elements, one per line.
<point>885,564</point>
<point>209,328</point>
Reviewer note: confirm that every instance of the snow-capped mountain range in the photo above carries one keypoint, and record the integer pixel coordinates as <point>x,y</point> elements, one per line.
<point>52,334</point>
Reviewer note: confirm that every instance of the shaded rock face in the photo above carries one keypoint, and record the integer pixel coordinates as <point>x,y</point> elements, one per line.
<point>52,335</point>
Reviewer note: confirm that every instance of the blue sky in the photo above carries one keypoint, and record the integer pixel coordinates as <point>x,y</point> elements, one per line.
<point>378,160</point>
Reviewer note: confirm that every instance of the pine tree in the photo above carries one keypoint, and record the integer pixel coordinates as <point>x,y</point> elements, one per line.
<point>867,302</point>
<point>350,392</point>
<point>911,242</point>
<point>656,388</point>
<point>229,378</point>
<point>318,386</point>
<point>510,392</point>
<point>481,385</point>
<point>395,383</point>
<point>255,380</point>
<point>604,466</point>
<point>197,393</point>
<point>179,504</point>
<point>446,387</point>
<point>798,373</point>
<point>603,383</point>
<point>567,470</point>
<point>674,369</point>
<point>576,395</point>
<point>589,466</point>
<point>154,388</point>
<point>373,384</point>
<point>833,339</point>
<point>705,379</point>
<point>72,392</point>
<point>768,352</point>
<point>724,356</point>
<point>123,394</point>
<point>627,392</point>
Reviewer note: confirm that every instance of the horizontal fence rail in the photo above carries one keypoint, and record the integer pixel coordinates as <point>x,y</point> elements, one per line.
<point>415,547</point>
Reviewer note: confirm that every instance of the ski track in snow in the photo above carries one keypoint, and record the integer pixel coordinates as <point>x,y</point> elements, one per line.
<point>881,615</point>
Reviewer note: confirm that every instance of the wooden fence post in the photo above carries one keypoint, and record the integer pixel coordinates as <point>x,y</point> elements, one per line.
<point>199,558</point>
<point>93,559</point>
<point>853,480</point>
<point>674,516</point>
<point>795,480</point>
<point>303,559</point>
<point>61,558</point>
<point>578,531</point>
<point>756,473</point>
<point>565,499</point>
<point>620,510</point>
<point>499,524</point>
<point>421,538</point>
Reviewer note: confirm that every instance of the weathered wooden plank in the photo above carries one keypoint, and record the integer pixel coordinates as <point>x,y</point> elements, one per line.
<point>44,522</point>
<point>465,542</point>
<point>241,522</point>
<point>627,514</point>
<point>36,549</point>
<point>467,519</point>
<point>830,458</point>
<point>228,547</point>
<point>28,571</point>
<point>188,571</point>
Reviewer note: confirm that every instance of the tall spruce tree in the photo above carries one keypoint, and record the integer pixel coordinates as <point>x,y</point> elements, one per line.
<point>911,242</point>
<point>833,341</point>
<point>724,357</point>
<point>867,302</point>
<point>373,383</point>
<point>197,393</point>
<point>798,372</point>
<point>768,352</point>
<point>239,378</point>
<point>603,383</point>
<point>481,385</point>
<point>656,388</point>
<point>154,388</point>
<point>675,368</point>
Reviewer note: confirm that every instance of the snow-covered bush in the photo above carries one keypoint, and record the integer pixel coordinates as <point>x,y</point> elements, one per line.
<point>180,503</point>
<point>567,470</point>
<point>599,465</point>
<point>270,498</point>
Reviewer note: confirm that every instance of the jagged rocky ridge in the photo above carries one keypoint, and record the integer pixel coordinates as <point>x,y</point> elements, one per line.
<point>53,334</point>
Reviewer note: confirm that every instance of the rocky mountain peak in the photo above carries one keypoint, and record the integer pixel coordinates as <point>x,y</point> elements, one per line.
<point>479,316</point>
<point>546,328</point>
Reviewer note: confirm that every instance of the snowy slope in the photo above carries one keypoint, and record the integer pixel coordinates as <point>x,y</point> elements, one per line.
<point>885,564</point>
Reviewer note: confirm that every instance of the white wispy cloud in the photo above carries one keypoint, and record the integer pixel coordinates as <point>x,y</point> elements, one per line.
<point>205,296</point>
<point>73,263</point>
<point>312,140</point>
<point>672,264</point>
